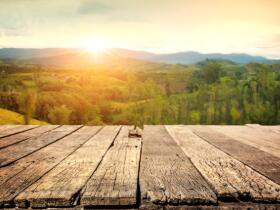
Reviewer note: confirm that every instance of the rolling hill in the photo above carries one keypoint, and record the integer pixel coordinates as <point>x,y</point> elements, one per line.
<point>10,117</point>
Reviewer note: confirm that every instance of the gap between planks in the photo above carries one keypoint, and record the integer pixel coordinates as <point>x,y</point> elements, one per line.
<point>266,141</point>
<point>115,182</point>
<point>19,137</point>
<point>11,130</point>
<point>21,174</point>
<point>61,186</point>
<point>22,149</point>
<point>261,161</point>
<point>157,206</point>
<point>167,175</point>
<point>229,177</point>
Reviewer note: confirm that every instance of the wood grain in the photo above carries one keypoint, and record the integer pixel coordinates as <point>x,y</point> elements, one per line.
<point>115,181</point>
<point>16,129</point>
<point>6,127</point>
<point>268,133</point>
<point>228,206</point>
<point>61,185</point>
<point>229,177</point>
<point>261,161</point>
<point>275,128</point>
<point>250,136</point>
<point>15,152</point>
<point>10,140</point>
<point>21,174</point>
<point>181,167</point>
<point>167,176</point>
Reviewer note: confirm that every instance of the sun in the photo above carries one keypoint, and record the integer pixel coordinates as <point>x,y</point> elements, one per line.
<point>96,45</point>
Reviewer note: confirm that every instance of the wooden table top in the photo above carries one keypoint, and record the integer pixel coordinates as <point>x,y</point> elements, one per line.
<point>161,167</point>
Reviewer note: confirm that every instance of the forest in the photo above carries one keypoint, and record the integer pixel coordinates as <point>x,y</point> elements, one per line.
<point>208,92</point>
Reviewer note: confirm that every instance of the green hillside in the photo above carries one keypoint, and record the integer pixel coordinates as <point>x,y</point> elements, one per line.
<point>9,117</point>
<point>126,92</point>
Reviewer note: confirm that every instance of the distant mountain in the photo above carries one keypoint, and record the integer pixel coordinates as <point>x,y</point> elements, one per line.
<point>191,57</point>
<point>43,56</point>
<point>28,53</point>
<point>194,57</point>
<point>143,55</point>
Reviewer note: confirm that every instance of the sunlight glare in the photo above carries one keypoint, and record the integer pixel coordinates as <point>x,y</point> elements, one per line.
<point>96,46</point>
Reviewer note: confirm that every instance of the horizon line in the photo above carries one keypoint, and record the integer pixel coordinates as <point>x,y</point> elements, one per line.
<point>151,52</point>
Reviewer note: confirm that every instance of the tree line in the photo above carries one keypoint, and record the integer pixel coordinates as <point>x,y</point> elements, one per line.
<point>210,92</point>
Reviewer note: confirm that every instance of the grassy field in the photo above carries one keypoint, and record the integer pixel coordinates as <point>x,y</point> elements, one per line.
<point>9,117</point>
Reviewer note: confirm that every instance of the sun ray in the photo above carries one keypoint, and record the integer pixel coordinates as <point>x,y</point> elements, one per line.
<point>95,45</point>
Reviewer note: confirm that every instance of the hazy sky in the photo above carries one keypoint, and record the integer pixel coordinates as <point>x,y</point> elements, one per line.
<point>251,26</point>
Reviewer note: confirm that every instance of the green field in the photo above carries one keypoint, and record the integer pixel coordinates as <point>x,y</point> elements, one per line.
<point>10,117</point>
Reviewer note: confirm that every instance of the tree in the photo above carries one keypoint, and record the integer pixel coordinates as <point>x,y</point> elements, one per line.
<point>210,114</point>
<point>59,115</point>
<point>195,117</point>
<point>235,116</point>
<point>27,105</point>
<point>212,72</point>
<point>167,88</point>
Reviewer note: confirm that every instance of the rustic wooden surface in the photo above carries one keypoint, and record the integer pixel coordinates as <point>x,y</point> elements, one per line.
<point>115,181</point>
<point>250,136</point>
<point>24,148</point>
<point>268,164</point>
<point>161,167</point>
<point>10,140</point>
<point>10,130</point>
<point>58,187</point>
<point>167,176</point>
<point>229,177</point>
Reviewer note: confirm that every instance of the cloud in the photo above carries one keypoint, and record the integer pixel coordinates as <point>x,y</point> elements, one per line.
<point>113,10</point>
<point>13,27</point>
<point>93,7</point>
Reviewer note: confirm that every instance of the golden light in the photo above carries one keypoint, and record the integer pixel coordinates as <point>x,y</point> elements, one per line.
<point>96,45</point>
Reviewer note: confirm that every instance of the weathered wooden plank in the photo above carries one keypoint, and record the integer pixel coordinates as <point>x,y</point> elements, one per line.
<point>167,176</point>
<point>266,127</point>
<point>16,129</point>
<point>21,174</point>
<point>263,133</point>
<point>274,128</point>
<point>115,180</point>
<point>10,140</point>
<point>261,161</point>
<point>268,133</point>
<point>227,206</point>
<point>60,186</point>
<point>229,177</point>
<point>251,137</point>
<point>24,148</point>
<point>6,127</point>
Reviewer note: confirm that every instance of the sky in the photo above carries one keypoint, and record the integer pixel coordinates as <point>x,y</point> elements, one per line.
<point>160,26</point>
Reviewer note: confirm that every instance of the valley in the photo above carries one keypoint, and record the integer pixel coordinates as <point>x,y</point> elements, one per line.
<point>116,90</point>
